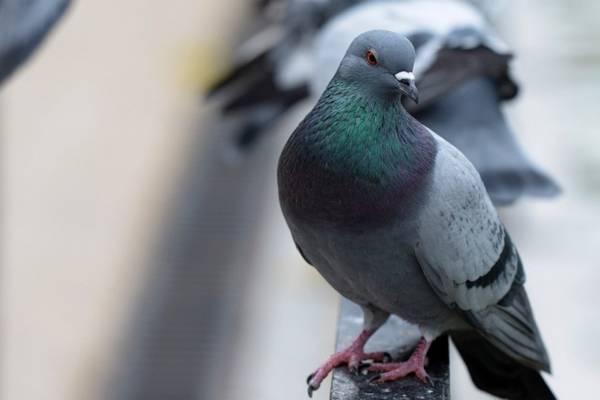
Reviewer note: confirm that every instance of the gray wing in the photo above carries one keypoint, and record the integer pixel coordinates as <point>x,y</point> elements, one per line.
<point>461,237</point>
<point>470,261</point>
<point>23,26</point>
<point>444,62</point>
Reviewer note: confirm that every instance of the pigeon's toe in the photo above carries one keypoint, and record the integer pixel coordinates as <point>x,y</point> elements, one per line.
<point>353,356</point>
<point>393,371</point>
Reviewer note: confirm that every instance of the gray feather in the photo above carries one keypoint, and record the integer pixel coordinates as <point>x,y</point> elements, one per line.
<point>510,326</point>
<point>460,235</point>
<point>471,262</point>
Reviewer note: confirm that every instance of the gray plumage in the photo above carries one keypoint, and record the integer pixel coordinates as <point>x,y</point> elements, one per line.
<point>23,27</point>
<point>423,240</point>
<point>470,262</point>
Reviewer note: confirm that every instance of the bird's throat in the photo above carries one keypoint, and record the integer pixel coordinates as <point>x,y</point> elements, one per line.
<point>373,139</point>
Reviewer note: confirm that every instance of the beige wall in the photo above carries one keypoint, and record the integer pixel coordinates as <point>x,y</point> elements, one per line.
<point>91,131</point>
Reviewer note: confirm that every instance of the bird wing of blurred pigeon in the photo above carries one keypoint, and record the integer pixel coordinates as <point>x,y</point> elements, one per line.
<point>471,263</point>
<point>446,62</point>
<point>255,92</point>
<point>23,27</point>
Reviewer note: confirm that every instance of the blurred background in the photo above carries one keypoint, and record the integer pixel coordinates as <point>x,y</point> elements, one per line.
<point>144,257</point>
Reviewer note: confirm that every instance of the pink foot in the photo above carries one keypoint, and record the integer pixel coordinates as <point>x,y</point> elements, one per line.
<point>415,364</point>
<point>352,356</point>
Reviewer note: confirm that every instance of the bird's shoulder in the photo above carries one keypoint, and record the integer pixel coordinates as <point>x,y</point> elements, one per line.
<point>456,184</point>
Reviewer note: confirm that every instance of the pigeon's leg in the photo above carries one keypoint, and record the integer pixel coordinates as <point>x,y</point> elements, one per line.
<point>353,354</point>
<point>415,364</point>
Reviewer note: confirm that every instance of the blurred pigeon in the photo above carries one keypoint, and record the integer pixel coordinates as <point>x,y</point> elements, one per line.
<point>397,220</point>
<point>458,57</point>
<point>23,26</point>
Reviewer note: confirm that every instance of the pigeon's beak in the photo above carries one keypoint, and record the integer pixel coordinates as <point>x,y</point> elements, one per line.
<point>407,85</point>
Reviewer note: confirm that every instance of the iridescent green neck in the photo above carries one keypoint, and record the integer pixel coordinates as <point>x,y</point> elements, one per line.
<point>366,136</point>
<point>356,159</point>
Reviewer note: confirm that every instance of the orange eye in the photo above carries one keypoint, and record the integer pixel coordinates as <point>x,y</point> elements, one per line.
<point>371,59</point>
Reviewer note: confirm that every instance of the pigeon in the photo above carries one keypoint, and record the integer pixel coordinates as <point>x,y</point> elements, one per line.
<point>23,27</point>
<point>459,58</point>
<point>397,220</point>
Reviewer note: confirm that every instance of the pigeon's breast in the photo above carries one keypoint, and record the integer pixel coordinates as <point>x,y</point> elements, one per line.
<point>374,266</point>
<point>328,199</point>
<point>314,189</point>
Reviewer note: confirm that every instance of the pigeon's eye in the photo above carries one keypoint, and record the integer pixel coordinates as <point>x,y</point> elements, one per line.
<point>371,58</point>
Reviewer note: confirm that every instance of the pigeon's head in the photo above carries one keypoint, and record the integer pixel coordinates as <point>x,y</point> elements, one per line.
<point>382,63</point>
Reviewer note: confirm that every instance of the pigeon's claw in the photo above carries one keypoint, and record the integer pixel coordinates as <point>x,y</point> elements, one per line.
<point>308,378</point>
<point>374,378</point>
<point>393,371</point>
<point>352,356</point>
<point>365,364</point>
<point>415,364</point>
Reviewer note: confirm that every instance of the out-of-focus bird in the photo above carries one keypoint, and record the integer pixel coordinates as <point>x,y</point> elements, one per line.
<point>397,220</point>
<point>462,69</point>
<point>23,27</point>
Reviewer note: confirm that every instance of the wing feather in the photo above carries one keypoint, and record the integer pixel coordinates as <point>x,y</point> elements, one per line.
<point>463,248</point>
<point>471,262</point>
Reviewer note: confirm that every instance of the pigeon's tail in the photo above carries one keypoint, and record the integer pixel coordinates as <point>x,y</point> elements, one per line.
<point>505,187</point>
<point>495,372</point>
